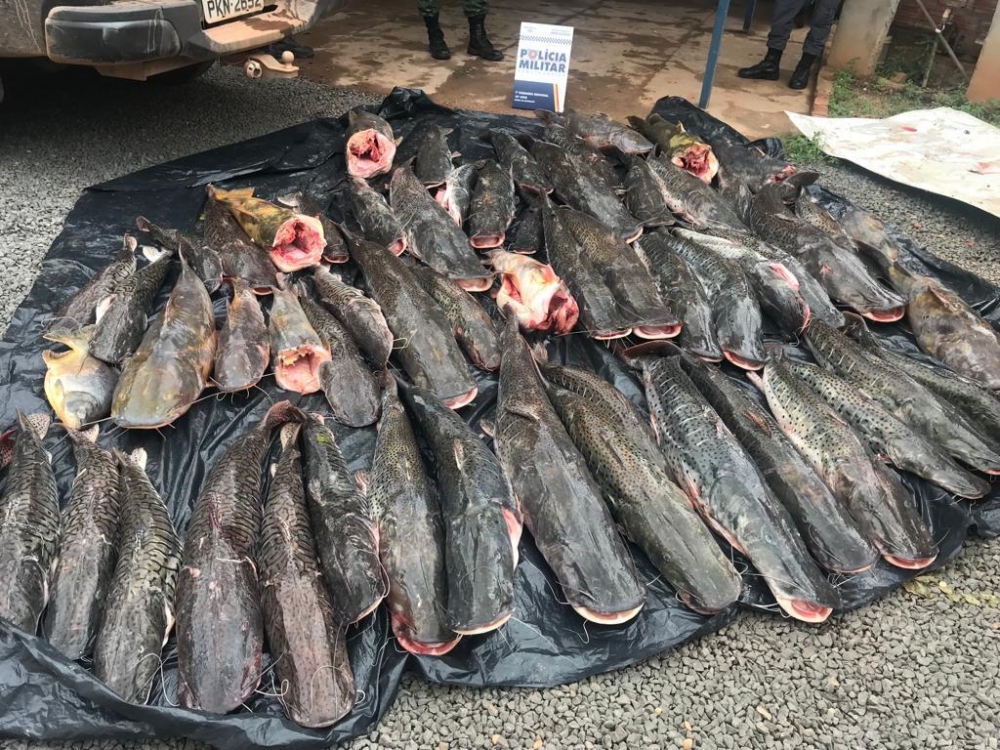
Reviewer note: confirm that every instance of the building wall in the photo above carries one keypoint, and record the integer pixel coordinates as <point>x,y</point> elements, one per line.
<point>971,18</point>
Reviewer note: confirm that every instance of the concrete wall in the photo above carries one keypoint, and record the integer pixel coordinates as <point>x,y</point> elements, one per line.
<point>971,18</point>
<point>985,83</point>
<point>861,34</point>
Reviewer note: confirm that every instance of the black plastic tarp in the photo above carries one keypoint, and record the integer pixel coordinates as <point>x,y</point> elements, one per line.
<point>43,696</point>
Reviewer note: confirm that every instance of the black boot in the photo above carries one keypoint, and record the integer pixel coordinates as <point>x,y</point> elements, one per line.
<point>766,69</point>
<point>479,43</point>
<point>800,77</point>
<point>435,38</point>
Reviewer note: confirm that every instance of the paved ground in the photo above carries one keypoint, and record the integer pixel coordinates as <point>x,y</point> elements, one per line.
<point>626,54</point>
<point>914,672</point>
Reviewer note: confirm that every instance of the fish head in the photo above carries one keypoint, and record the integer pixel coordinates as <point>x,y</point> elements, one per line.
<point>299,243</point>
<point>369,153</point>
<point>697,159</point>
<point>539,299</point>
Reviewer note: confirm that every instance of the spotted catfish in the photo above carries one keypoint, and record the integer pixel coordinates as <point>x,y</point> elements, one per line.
<point>428,353</point>
<point>139,609</point>
<point>827,526</point>
<point>29,526</point>
<point>534,294</point>
<point>433,234</point>
<point>888,518</point>
<point>562,504</point>
<point>840,271</point>
<point>220,629</point>
<point>482,519</point>
<point>493,204</point>
<point>88,549</point>
<point>360,315</point>
<point>686,150</point>
<point>307,643</point>
<point>240,258</point>
<point>624,274</point>
<point>377,221</point>
<point>904,397</point>
<point>528,174</point>
<point>344,526</point>
<point>472,325</point>
<point>456,193</point>
<point>945,325</point>
<point>616,442</point>
<point>722,482</point>
<point>888,436</point>
<point>123,322</point>
<point>203,259</point>
<point>93,297</point>
<point>296,349</point>
<point>411,534</point>
<point>600,131</point>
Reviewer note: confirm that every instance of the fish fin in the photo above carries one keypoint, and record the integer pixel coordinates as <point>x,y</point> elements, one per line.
<point>539,353</point>
<point>362,479</point>
<point>139,458</point>
<point>143,224</point>
<point>129,242</point>
<point>91,433</point>
<point>39,423</point>
<point>103,306</point>
<point>273,470</point>
<point>48,455</point>
<point>229,196</point>
<point>289,200</point>
<point>756,379</point>
<point>546,117</point>
<point>398,139</point>
<point>153,254</point>
<point>321,418</point>
<point>352,117</point>
<point>77,340</point>
<point>801,179</point>
<point>289,434</point>
<point>489,429</point>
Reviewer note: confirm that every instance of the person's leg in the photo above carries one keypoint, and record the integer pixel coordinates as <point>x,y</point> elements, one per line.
<point>430,9</point>
<point>819,30</point>
<point>479,43</point>
<point>777,38</point>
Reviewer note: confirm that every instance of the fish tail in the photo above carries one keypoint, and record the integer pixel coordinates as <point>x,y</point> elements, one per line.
<point>137,458</point>
<point>38,423</point>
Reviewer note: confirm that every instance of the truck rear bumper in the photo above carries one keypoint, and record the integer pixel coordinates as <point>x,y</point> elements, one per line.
<point>134,31</point>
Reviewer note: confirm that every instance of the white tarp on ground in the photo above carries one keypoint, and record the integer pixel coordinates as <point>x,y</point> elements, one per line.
<point>943,151</point>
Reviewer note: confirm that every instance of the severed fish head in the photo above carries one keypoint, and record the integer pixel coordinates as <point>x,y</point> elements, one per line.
<point>536,295</point>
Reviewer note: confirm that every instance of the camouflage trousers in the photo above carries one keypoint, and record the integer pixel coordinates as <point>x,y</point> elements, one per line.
<point>471,7</point>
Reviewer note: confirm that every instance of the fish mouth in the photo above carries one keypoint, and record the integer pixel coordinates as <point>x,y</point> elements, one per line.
<point>336,259</point>
<point>803,610</point>
<point>398,246</point>
<point>915,564</point>
<point>632,235</point>
<point>298,369</point>
<point>561,310</point>
<point>699,160</point>
<point>475,285</point>
<point>742,362</point>
<point>607,618</point>
<point>654,332</point>
<point>610,335</point>
<point>298,244</point>
<point>886,316</point>
<point>495,625</point>
<point>487,241</point>
<point>404,638</point>
<point>457,402</point>
<point>853,571</point>
<point>369,154</point>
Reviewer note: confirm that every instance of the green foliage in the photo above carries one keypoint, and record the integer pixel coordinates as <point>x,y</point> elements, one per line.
<point>802,150</point>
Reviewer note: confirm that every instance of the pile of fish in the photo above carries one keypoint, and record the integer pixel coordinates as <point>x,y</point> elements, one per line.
<point>697,262</point>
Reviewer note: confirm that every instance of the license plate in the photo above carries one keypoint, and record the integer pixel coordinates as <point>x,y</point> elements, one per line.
<point>215,11</point>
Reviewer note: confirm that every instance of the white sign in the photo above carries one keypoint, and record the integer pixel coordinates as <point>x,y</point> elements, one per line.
<point>542,67</point>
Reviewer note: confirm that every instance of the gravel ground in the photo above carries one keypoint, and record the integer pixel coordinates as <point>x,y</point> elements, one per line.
<point>916,671</point>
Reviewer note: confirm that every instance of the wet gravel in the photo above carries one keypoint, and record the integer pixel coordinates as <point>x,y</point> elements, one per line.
<point>916,671</point>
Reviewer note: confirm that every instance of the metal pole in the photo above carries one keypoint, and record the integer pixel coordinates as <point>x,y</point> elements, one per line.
<point>713,52</point>
<point>947,47</point>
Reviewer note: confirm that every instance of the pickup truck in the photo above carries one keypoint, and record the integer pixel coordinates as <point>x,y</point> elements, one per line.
<point>139,39</point>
